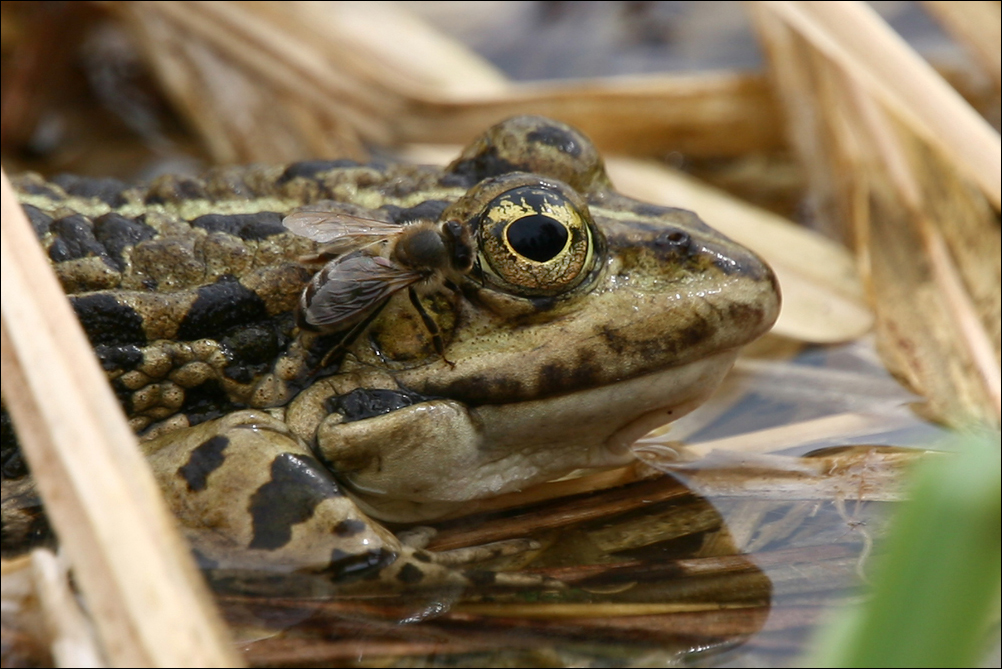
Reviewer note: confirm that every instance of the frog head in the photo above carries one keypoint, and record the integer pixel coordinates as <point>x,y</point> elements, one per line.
<point>587,319</point>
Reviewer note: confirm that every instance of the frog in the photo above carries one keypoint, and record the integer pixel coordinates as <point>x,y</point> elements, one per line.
<point>559,321</point>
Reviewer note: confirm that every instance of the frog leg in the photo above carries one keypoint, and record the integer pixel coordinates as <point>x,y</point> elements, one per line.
<point>250,495</point>
<point>403,457</point>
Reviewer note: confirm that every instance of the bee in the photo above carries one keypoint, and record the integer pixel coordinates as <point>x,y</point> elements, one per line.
<point>368,261</point>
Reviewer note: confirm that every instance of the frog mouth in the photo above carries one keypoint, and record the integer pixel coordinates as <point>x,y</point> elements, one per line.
<point>522,444</point>
<point>595,427</point>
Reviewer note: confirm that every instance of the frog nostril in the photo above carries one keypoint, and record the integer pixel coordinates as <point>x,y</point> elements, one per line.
<point>674,239</point>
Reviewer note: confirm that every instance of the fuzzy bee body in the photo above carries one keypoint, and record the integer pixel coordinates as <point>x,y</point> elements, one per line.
<point>369,260</point>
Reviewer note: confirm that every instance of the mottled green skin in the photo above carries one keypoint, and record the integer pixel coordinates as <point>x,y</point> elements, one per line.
<point>267,455</point>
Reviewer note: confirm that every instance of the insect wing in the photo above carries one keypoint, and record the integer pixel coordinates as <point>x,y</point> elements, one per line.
<point>349,287</point>
<point>338,227</point>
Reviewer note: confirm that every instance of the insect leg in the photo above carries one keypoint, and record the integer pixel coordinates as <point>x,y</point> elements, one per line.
<point>429,322</point>
<point>350,336</point>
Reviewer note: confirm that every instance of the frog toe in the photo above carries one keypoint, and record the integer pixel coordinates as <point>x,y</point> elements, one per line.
<point>484,552</point>
<point>417,537</point>
<point>423,570</point>
<point>484,578</point>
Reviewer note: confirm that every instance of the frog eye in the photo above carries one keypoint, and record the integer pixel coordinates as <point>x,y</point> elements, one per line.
<point>535,241</point>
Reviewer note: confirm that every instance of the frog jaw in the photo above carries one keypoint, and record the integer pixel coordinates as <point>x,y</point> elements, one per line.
<point>488,450</point>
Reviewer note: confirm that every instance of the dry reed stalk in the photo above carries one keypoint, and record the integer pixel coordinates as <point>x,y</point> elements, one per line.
<point>855,38</point>
<point>927,241</point>
<point>71,633</point>
<point>148,601</point>
<point>976,25</point>
<point>842,426</point>
<point>276,82</point>
<point>859,474</point>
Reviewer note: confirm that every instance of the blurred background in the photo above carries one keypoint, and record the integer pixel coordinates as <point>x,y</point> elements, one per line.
<point>854,145</point>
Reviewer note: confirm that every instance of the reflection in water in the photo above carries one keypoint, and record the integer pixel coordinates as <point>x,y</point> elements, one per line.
<point>649,573</point>
<point>644,571</point>
<point>735,566</point>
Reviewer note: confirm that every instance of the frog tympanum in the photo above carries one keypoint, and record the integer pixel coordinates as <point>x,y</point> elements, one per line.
<point>539,324</point>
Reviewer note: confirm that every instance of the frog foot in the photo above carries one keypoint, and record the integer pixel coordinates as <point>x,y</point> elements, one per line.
<point>482,553</point>
<point>250,495</point>
<point>420,536</point>
<point>417,537</point>
<point>419,568</point>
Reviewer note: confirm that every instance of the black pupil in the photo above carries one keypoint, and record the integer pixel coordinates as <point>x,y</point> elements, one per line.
<point>537,237</point>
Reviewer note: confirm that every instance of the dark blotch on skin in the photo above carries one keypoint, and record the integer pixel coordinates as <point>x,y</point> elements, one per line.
<point>309,169</point>
<point>203,460</point>
<point>207,401</point>
<point>176,188</point>
<point>108,322</point>
<point>107,190</point>
<point>219,307</point>
<point>410,574</point>
<point>239,373</point>
<point>252,227</point>
<point>429,210</point>
<point>124,356</point>
<point>116,233</point>
<point>483,165</point>
<point>616,341</point>
<point>123,394</point>
<point>745,315</point>
<point>363,403</point>
<point>455,180</point>
<point>75,239</point>
<point>476,390</point>
<point>557,138</point>
<point>24,529</point>
<point>349,527</point>
<point>254,344</point>
<point>481,577</point>
<point>421,556</point>
<point>346,567</point>
<point>298,484</point>
<point>652,348</point>
<point>40,221</point>
<point>692,335</point>
<point>649,210</point>
<point>557,379</point>
<point>33,188</point>
<point>543,302</point>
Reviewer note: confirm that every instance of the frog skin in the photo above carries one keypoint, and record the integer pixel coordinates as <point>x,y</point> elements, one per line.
<point>275,454</point>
